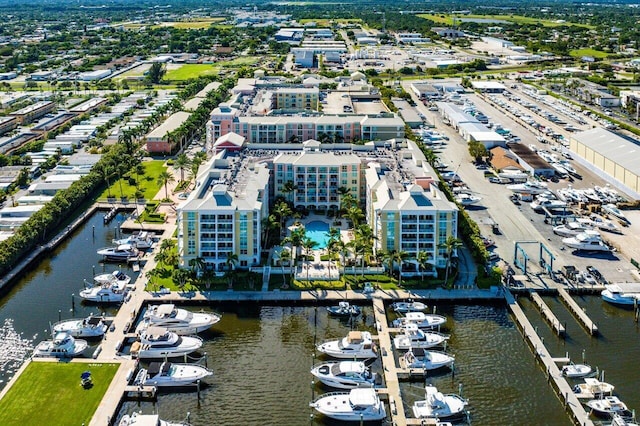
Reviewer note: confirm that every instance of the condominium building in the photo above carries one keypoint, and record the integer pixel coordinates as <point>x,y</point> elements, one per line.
<point>224,213</point>
<point>34,111</point>
<point>297,98</point>
<point>282,129</point>
<point>405,208</point>
<point>317,176</point>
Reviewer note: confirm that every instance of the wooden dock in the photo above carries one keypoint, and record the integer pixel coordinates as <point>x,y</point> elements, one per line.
<point>554,375</point>
<point>554,322</point>
<point>141,392</point>
<point>578,312</point>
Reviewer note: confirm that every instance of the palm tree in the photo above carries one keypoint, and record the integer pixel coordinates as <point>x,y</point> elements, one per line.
<point>106,170</point>
<point>355,215</point>
<point>423,258</point>
<point>399,257</point>
<point>285,256</point>
<point>450,245</point>
<point>269,223</point>
<point>182,163</point>
<point>342,191</point>
<point>364,242</point>
<point>230,263</point>
<point>164,178</point>
<point>288,188</point>
<point>283,211</point>
<point>295,238</point>
<point>308,244</point>
<point>197,264</point>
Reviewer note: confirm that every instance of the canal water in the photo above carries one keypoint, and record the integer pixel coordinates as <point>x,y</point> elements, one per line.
<point>261,355</point>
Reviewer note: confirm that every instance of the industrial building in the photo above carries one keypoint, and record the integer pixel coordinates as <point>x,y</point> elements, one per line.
<point>614,158</point>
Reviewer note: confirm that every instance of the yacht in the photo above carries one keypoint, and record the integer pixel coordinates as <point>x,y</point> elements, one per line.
<point>608,406</point>
<point>438,405</point>
<point>604,224</point>
<point>344,309</point>
<point>177,320</point>
<point>618,420</point>
<point>167,374</point>
<point>157,342</point>
<point>344,374</point>
<point>359,405</point>
<point>467,199</point>
<point>408,306</point>
<point>92,326</point>
<point>115,277</point>
<point>613,210</point>
<point>570,229</point>
<point>120,253</point>
<point>614,294</point>
<point>420,319</point>
<point>529,187</point>
<point>513,175</point>
<point>428,360</point>
<point>62,346</point>
<point>137,419</point>
<point>588,240</point>
<point>356,345</point>
<point>105,293</point>
<point>414,338</point>
<point>141,240</point>
<point>541,203</point>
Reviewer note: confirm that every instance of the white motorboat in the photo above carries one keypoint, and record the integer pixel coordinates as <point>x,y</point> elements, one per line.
<point>177,320</point>
<point>106,293</point>
<point>513,175</point>
<point>357,405</point>
<point>414,338</point>
<point>116,277</point>
<point>356,345</point>
<point>614,294</point>
<point>613,210</point>
<point>156,342</point>
<point>529,187</point>
<point>167,374</point>
<point>604,224</point>
<point>570,229</point>
<point>576,371</point>
<point>344,309</point>
<point>92,326</point>
<point>420,319</point>
<point>619,420</point>
<point>607,406</point>
<point>438,405</point>
<point>594,387</point>
<point>137,419</point>
<point>408,306</point>
<point>588,240</point>
<point>344,374</point>
<point>541,203</point>
<point>141,240</point>
<point>428,360</point>
<point>62,346</point>
<point>467,199</point>
<point>568,167</point>
<point>120,253</point>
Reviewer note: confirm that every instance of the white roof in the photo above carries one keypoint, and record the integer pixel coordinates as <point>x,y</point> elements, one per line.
<point>613,147</point>
<point>363,397</point>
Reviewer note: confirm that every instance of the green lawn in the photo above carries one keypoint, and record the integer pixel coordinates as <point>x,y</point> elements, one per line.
<point>515,19</point>
<point>578,53</point>
<point>147,183</point>
<point>323,22</point>
<point>240,61</point>
<point>191,25</point>
<point>50,393</point>
<point>188,71</point>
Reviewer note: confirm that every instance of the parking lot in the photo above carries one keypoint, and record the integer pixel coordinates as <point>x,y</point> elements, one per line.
<point>519,223</point>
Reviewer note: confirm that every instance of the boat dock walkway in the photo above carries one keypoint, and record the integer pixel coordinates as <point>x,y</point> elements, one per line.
<point>549,316</point>
<point>554,376</point>
<point>582,316</point>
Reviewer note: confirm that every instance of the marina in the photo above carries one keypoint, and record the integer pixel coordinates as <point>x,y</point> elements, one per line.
<point>399,387</point>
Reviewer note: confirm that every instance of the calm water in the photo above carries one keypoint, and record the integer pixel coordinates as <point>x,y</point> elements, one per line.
<point>261,355</point>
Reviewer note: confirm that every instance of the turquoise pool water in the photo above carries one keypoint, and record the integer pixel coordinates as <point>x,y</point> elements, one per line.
<point>318,232</point>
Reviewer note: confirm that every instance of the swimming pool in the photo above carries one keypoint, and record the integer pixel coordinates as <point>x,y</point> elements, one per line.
<point>318,232</point>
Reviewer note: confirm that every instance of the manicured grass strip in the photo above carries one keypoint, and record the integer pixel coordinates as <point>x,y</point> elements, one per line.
<point>188,71</point>
<point>514,19</point>
<point>578,53</point>
<point>147,183</point>
<point>50,393</point>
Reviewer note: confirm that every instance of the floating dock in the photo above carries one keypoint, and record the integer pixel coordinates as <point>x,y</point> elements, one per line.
<point>554,322</point>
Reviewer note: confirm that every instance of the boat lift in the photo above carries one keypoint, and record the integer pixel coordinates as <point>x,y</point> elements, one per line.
<point>521,258</point>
